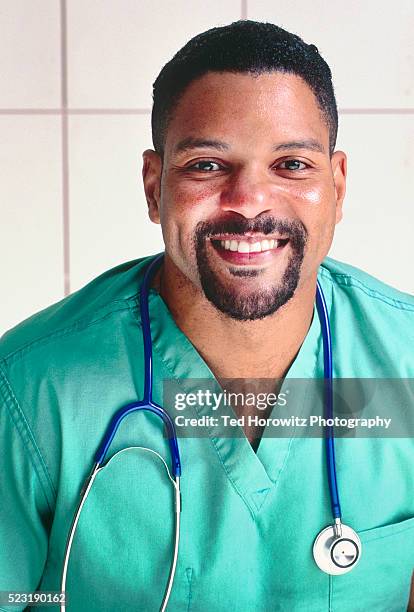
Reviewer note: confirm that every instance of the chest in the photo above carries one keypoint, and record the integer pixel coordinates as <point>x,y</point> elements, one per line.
<point>248,523</point>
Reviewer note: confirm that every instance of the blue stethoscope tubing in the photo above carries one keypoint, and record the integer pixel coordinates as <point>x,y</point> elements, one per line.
<point>328,399</point>
<point>328,541</point>
<point>147,402</point>
<point>337,548</point>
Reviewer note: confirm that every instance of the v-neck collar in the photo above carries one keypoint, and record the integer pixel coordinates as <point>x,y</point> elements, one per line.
<point>252,474</point>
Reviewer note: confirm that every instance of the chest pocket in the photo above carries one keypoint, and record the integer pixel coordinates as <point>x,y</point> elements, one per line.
<point>381,580</point>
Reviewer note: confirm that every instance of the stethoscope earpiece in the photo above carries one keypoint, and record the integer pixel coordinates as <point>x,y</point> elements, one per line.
<point>336,555</point>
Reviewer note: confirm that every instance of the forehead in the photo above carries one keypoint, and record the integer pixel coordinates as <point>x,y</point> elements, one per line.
<point>233,106</point>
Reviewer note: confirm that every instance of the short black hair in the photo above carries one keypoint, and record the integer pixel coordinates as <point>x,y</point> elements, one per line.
<point>242,47</point>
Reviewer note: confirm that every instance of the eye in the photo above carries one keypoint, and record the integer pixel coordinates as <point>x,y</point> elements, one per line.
<point>292,164</point>
<point>206,166</point>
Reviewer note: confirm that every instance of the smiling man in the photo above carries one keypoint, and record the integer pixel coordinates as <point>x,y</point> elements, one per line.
<point>248,188</point>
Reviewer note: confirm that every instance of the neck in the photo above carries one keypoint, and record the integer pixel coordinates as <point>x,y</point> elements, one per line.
<point>264,348</point>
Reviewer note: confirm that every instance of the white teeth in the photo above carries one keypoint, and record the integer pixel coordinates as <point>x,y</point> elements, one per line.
<point>243,247</point>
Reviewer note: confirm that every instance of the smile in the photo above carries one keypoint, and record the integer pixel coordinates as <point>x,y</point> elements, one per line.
<point>248,250</point>
<point>242,246</point>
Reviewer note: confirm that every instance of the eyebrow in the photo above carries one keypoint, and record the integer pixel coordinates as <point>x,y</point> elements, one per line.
<point>200,143</point>
<point>310,144</point>
<point>187,144</point>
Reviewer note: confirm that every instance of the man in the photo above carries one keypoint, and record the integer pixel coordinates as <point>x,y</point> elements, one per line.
<point>247,186</point>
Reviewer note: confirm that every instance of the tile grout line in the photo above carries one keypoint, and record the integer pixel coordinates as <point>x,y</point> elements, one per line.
<point>243,10</point>
<point>65,148</point>
<point>75,111</point>
<point>147,111</point>
<point>376,111</point>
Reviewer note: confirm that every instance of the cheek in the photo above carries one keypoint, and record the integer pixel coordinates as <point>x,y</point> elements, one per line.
<point>185,205</point>
<point>180,213</point>
<point>309,194</point>
<point>317,212</point>
<point>311,206</point>
<point>312,196</point>
<point>184,195</point>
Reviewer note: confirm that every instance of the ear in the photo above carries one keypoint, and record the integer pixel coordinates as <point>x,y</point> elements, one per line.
<point>151,175</point>
<point>339,168</point>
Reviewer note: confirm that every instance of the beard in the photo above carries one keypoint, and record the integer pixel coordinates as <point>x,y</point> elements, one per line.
<point>260,303</point>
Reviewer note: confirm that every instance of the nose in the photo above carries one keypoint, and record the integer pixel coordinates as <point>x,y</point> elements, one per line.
<point>248,193</point>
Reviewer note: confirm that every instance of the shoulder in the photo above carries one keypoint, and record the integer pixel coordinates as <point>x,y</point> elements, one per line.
<point>360,287</point>
<point>109,295</point>
<point>372,323</point>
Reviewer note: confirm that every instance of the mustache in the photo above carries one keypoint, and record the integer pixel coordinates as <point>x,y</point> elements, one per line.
<point>266,224</point>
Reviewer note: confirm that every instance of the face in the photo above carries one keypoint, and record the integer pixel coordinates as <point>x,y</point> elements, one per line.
<point>247,194</point>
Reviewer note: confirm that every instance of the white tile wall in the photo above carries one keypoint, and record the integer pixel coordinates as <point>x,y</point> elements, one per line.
<point>376,232</point>
<point>108,218</point>
<point>115,50</point>
<point>117,47</point>
<point>369,45</point>
<point>30,54</point>
<point>30,200</point>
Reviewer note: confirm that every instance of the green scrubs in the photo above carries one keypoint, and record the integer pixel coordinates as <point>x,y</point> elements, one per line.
<point>248,519</point>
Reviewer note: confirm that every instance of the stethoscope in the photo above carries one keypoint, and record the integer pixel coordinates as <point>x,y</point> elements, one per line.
<point>337,548</point>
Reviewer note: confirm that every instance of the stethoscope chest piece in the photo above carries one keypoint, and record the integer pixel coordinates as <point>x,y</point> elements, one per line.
<point>337,555</point>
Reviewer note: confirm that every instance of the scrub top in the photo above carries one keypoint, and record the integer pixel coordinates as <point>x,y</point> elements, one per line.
<point>248,519</point>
